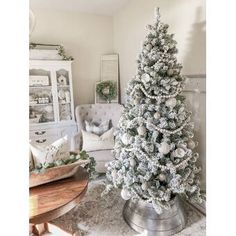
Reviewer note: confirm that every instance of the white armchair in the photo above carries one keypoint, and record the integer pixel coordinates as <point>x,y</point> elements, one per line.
<point>98,113</point>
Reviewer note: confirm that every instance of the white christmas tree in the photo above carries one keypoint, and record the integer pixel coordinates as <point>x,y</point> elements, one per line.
<point>154,151</point>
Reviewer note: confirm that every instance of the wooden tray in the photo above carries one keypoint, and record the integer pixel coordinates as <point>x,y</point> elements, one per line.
<point>55,173</point>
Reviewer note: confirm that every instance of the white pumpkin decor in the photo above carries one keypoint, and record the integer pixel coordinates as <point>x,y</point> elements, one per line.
<point>164,148</point>
<point>125,194</point>
<point>171,102</point>
<point>141,130</point>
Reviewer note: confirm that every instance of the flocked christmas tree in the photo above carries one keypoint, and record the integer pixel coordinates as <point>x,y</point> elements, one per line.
<point>154,149</point>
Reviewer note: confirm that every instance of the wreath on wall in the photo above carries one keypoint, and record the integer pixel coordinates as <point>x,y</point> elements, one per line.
<point>106,90</point>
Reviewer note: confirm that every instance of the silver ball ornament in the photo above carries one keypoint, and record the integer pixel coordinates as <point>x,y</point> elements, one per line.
<point>171,102</point>
<point>141,130</point>
<point>170,72</point>
<point>132,162</point>
<point>157,115</point>
<point>149,47</point>
<point>136,101</point>
<point>145,78</point>
<point>179,152</point>
<point>125,194</point>
<point>144,186</point>
<point>191,144</point>
<point>162,177</point>
<point>164,148</point>
<point>125,139</point>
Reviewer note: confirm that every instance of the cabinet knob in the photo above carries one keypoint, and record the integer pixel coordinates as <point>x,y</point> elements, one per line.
<point>40,132</point>
<point>41,141</point>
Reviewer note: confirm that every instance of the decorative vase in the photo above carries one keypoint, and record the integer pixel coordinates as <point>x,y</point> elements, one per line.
<point>142,217</point>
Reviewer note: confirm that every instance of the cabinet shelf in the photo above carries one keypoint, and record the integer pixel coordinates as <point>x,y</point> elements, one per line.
<point>40,87</point>
<point>63,86</point>
<point>41,104</point>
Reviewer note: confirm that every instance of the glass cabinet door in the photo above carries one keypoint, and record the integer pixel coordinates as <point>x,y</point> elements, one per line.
<point>41,108</point>
<point>64,95</point>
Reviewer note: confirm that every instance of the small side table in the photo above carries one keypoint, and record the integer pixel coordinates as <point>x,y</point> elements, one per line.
<point>49,201</point>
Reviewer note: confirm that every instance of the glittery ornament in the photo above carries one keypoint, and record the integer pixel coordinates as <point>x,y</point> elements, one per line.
<point>170,72</point>
<point>132,162</point>
<point>144,186</point>
<point>191,144</point>
<point>164,148</point>
<point>162,177</point>
<point>179,152</point>
<point>141,130</point>
<point>157,115</point>
<point>171,102</point>
<point>125,194</point>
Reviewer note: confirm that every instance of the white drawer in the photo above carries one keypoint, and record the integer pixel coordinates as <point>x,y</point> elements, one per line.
<point>43,132</point>
<point>43,140</point>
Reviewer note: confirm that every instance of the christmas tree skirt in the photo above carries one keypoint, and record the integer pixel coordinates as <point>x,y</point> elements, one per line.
<point>97,216</point>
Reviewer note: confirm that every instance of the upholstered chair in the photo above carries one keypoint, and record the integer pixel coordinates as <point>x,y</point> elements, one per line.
<point>96,113</point>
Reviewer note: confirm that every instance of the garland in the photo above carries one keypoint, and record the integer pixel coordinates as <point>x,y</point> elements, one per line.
<point>106,90</point>
<point>139,86</point>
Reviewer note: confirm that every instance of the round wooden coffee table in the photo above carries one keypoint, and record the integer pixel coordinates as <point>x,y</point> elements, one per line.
<point>49,201</point>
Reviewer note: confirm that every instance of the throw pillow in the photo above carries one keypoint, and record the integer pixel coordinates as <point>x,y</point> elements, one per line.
<point>57,150</point>
<point>93,142</point>
<point>96,128</point>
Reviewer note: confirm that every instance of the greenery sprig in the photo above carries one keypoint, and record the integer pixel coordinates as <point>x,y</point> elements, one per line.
<point>106,90</point>
<point>60,50</point>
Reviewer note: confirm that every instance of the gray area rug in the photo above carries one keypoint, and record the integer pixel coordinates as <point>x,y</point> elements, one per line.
<point>97,216</point>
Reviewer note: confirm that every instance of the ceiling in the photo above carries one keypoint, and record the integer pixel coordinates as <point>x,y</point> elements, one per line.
<point>103,7</point>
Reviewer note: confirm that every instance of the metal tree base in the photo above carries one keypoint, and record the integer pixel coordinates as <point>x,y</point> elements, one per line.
<point>142,217</point>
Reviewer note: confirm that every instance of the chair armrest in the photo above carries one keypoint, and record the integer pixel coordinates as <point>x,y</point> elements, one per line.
<point>76,141</point>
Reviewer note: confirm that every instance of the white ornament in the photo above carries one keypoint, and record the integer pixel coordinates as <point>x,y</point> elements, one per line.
<point>171,102</point>
<point>157,115</point>
<point>191,144</point>
<point>179,152</point>
<point>145,78</point>
<point>132,162</point>
<point>161,177</point>
<point>164,148</point>
<point>125,139</point>
<point>125,194</point>
<point>141,130</point>
<point>149,47</point>
<point>144,186</point>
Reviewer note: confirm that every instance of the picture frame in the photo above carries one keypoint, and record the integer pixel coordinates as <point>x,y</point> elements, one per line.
<point>109,72</point>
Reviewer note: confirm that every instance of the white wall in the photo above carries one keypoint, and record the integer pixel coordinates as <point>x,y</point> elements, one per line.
<point>85,37</point>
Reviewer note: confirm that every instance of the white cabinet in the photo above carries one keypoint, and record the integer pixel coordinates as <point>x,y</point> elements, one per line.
<point>51,105</point>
